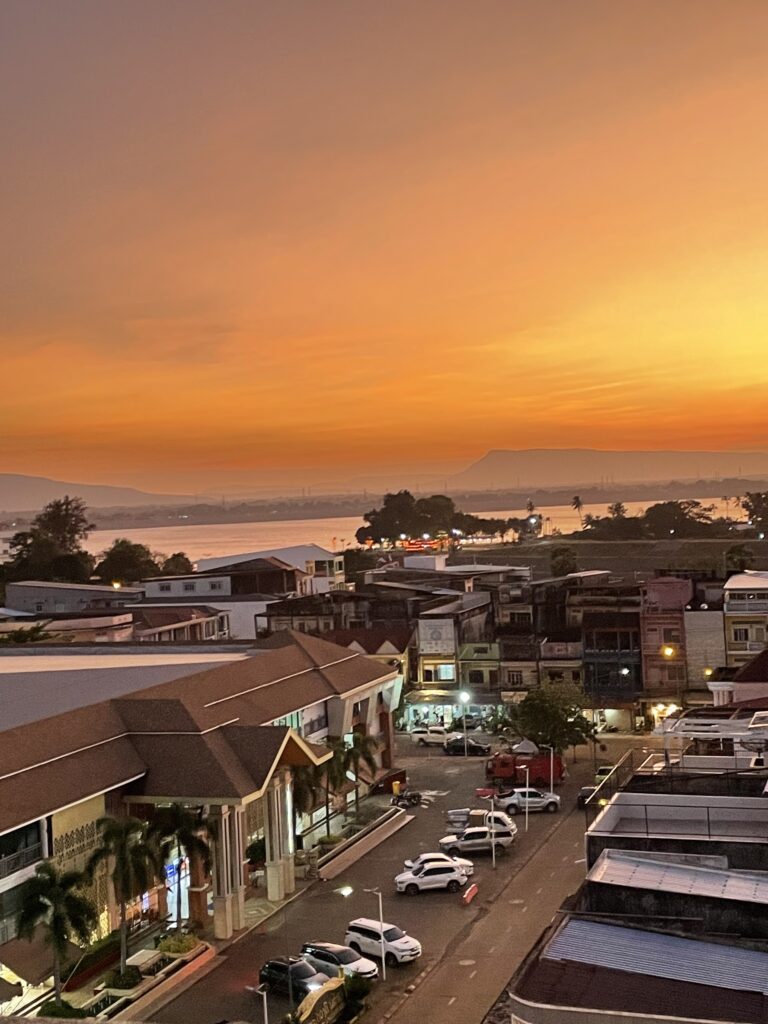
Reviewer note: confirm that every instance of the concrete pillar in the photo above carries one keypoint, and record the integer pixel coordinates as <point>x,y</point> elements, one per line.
<point>273,834</point>
<point>285,795</point>
<point>222,875</point>
<point>237,848</point>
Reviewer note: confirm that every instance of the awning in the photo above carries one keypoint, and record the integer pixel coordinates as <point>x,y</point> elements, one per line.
<point>33,960</point>
<point>8,991</point>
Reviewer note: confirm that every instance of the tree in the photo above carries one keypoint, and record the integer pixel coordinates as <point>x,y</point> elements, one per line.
<point>357,753</point>
<point>134,861</point>
<point>51,900</point>
<point>578,506</point>
<point>553,715</point>
<point>307,785</point>
<point>65,522</point>
<point>177,564</point>
<point>26,635</point>
<point>739,557</point>
<point>562,560</point>
<point>334,774</point>
<point>126,562</point>
<point>618,510</point>
<point>678,519</point>
<point>181,828</point>
<point>755,504</point>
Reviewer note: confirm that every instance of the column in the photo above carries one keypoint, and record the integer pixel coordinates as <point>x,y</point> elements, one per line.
<point>237,848</point>
<point>285,792</point>
<point>222,874</point>
<point>274,838</point>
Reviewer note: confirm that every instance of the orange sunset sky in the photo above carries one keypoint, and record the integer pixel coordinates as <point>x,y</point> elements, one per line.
<point>259,241</point>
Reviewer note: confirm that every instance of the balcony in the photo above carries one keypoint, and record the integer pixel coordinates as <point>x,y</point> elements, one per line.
<point>16,861</point>
<point>746,645</point>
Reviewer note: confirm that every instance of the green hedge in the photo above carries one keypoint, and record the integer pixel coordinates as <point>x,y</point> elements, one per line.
<point>94,954</point>
<point>129,978</point>
<point>177,943</point>
<point>52,1009</point>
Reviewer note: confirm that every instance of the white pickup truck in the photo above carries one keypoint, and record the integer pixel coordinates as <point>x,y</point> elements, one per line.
<point>468,817</point>
<point>431,735</point>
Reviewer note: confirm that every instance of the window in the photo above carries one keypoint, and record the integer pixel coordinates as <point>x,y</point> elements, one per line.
<point>164,588</point>
<point>515,677</point>
<point>671,635</point>
<point>476,677</point>
<point>217,585</point>
<point>446,673</point>
<point>740,634</point>
<point>676,673</point>
<point>189,587</point>
<point>428,675</point>
<point>576,676</point>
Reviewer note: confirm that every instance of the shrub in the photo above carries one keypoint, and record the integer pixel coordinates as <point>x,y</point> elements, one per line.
<point>130,978</point>
<point>256,852</point>
<point>177,943</point>
<point>330,840</point>
<point>52,1009</point>
<point>96,953</point>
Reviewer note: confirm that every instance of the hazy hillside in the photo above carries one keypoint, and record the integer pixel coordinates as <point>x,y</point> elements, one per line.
<point>548,467</point>
<point>23,493</point>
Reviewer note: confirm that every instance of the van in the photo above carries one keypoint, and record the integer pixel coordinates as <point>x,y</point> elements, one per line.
<point>364,935</point>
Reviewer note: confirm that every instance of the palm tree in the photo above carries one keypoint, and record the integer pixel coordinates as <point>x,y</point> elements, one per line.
<point>179,827</point>
<point>578,505</point>
<point>307,785</point>
<point>51,899</point>
<point>334,775</point>
<point>360,751</point>
<point>135,861</point>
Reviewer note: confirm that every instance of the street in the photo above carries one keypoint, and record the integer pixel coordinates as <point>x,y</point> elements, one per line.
<point>479,944</point>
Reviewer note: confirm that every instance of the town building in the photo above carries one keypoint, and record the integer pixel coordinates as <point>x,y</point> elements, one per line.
<point>320,570</point>
<point>746,616</point>
<point>55,598</point>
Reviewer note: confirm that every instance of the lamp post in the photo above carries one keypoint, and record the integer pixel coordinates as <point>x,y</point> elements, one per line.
<point>527,771</point>
<point>465,698</point>
<point>377,892</point>
<point>261,990</point>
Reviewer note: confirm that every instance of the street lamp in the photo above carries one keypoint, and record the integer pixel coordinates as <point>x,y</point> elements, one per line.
<point>551,749</point>
<point>527,771</point>
<point>377,892</point>
<point>261,990</point>
<point>465,698</point>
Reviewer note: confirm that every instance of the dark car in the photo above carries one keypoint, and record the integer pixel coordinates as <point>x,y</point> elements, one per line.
<point>584,794</point>
<point>455,747</point>
<point>292,976</point>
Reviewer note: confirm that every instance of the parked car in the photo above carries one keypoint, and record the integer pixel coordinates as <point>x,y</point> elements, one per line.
<point>602,773</point>
<point>330,958</point>
<point>432,858</point>
<point>477,840</point>
<point>514,801</point>
<point>291,974</point>
<point>364,935</point>
<point>430,735</point>
<point>460,818</point>
<point>430,876</point>
<point>455,747</point>
<point>584,794</point>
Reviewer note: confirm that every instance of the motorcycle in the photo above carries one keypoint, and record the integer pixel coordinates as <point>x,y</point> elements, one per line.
<point>407,798</point>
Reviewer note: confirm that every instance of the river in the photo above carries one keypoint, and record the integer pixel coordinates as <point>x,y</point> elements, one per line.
<point>211,540</point>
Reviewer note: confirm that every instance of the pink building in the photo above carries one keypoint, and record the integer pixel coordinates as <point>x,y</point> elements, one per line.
<point>662,637</point>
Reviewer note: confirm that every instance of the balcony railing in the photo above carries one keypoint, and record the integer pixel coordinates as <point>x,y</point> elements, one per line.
<point>16,861</point>
<point>746,645</point>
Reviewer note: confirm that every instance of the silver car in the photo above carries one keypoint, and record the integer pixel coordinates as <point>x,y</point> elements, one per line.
<point>478,839</point>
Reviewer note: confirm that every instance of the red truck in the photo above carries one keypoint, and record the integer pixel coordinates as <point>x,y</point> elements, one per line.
<point>510,768</point>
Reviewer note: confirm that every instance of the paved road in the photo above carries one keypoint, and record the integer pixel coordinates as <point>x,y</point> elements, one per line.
<point>514,903</point>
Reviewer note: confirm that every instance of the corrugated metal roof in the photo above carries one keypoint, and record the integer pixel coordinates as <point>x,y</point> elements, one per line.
<point>615,868</point>
<point>660,956</point>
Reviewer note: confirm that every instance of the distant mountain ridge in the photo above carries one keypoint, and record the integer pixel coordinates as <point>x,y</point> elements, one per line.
<point>553,467</point>
<point>19,493</point>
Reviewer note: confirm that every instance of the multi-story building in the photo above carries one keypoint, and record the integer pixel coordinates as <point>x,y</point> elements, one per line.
<point>746,616</point>
<point>663,642</point>
<point>41,596</point>
<point>320,570</point>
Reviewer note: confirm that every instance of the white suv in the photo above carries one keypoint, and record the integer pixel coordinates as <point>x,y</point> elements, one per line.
<point>431,876</point>
<point>364,935</point>
<point>430,735</point>
<point>478,840</point>
<point>440,858</point>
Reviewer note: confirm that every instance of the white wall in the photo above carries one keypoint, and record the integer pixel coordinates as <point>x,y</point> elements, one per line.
<point>704,644</point>
<point>204,586</point>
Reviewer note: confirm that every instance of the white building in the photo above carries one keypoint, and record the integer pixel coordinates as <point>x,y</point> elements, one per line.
<point>324,570</point>
<point>746,616</point>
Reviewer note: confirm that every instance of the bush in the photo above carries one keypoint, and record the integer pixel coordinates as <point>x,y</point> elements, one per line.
<point>330,840</point>
<point>52,1009</point>
<point>129,978</point>
<point>256,852</point>
<point>177,943</point>
<point>96,953</point>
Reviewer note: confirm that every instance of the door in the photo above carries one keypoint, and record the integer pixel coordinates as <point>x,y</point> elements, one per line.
<point>436,877</point>
<point>477,839</point>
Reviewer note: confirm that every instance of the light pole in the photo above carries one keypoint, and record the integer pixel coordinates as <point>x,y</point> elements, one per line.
<point>527,771</point>
<point>465,698</point>
<point>377,892</point>
<point>260,990</point>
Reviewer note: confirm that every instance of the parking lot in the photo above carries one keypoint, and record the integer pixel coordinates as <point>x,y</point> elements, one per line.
<point>439,920</point>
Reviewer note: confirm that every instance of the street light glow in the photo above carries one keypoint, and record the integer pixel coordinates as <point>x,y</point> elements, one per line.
<point>465,697</point>
<point>667,651</point>
<point>345,890</point>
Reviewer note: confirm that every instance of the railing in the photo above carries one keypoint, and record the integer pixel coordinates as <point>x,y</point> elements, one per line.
<point>745,645</point>
<point>16,861</point>
<point>7,929</point>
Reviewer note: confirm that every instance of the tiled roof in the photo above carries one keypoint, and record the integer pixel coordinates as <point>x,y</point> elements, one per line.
<point>373,639</point>
<point>755,671</point>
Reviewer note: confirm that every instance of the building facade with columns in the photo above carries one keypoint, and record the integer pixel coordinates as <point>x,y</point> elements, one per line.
<point>206,740</point>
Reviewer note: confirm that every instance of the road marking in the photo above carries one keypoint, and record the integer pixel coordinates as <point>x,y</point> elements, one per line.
<point>467,963</point>
<point>524,910</point>
<point>565,857</point>
<point>582,861</point>
<point>452,1000</point>
<point>435,792</point>
<point>473,974</point>
<point>516,903</point>
<point>539,892</point>
<point>491,949</point>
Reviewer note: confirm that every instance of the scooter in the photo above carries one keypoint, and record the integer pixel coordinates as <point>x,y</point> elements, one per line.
<point>407,798</point>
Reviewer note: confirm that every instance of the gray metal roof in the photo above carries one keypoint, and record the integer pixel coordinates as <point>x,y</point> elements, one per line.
<point>616,868</point>
<point>660,956</point>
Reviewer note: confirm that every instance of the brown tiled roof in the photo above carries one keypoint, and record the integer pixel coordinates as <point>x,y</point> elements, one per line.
<point>156,618</point>
<point>755,671</point>
<point>371,640</point>
<point>198,736</point>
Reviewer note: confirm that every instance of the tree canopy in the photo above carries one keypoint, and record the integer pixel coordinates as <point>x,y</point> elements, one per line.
<point>552,715</point>
<point>402,516</point>
<point>686,520</point>
<point>126,562</point>
<point>51,549</point>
